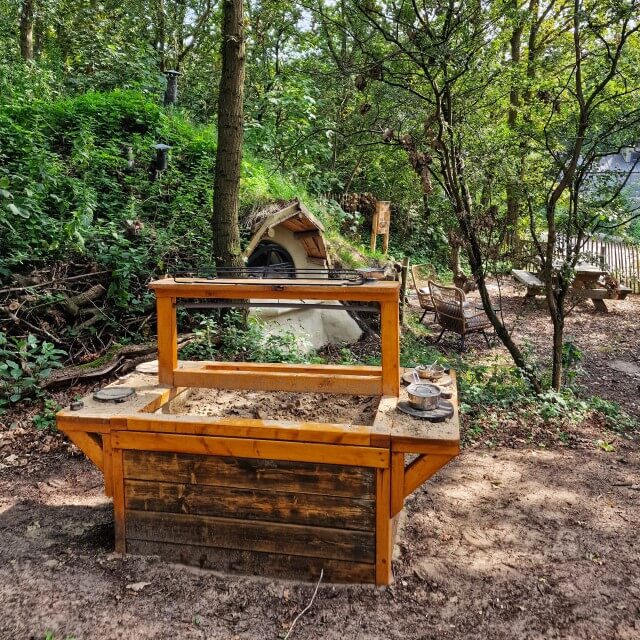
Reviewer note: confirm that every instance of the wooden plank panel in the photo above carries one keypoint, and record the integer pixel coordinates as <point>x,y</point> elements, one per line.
<point>383,422</point>
<point>276,475</point>
<point>268,449</point>
<point>251,535</point>
<point>258,563</point>
<point>384,543</point>
<point>275,381</point>
<point>355,435</point>
<point>251,504</point>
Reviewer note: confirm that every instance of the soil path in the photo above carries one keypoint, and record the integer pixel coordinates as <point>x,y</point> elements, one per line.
<point>509,544</point>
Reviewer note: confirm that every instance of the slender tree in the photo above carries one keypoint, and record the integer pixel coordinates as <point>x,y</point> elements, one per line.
<point>226,234</point>
<point>26,29</point>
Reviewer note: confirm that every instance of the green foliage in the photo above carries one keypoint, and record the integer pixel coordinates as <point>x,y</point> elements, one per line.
<point>66,189</point>
<point>414,350</point>
<point>24,364</point>
<point>46,420</point>
<point>491,390</point>
<point>49,635</point>
<point>491,385</point>
<point>616,418</point>
<point>247,342</point>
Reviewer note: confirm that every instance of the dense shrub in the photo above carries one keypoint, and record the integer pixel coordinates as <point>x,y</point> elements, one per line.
<point>67,188</point>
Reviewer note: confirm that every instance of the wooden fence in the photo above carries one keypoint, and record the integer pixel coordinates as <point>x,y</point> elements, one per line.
<point>621,258</point>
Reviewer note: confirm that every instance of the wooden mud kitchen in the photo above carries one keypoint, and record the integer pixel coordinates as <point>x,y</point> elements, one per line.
<point>263,495</point>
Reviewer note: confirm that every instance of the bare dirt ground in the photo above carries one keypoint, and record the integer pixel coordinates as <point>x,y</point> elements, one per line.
<point>503,543</point>
<point>507,544</point>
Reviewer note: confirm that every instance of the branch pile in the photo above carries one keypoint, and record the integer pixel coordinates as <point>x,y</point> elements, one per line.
<point>67,304</point>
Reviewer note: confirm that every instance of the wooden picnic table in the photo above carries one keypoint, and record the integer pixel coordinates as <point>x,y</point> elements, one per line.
<point>586,284</point>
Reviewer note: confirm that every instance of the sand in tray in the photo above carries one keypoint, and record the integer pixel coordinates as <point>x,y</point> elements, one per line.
<point>278,405</point>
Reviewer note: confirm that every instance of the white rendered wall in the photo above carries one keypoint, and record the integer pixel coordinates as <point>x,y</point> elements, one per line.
<point>316,327</point>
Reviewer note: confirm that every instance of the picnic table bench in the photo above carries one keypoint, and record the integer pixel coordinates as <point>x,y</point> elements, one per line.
<point>585,285</point>
<point>535,286</point>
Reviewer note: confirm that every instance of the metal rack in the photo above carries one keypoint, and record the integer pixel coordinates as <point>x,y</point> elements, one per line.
<point>212,274</point>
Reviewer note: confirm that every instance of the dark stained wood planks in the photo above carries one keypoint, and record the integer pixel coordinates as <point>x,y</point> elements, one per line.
<point>276,475</point>
<point>257,563</point>
<point>251,504</point>
<point>251,535</point>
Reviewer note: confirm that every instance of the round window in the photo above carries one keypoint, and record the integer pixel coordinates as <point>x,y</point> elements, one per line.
<point>271,260</point>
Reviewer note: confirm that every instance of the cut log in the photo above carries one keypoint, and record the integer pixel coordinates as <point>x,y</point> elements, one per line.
<point>72,305</point>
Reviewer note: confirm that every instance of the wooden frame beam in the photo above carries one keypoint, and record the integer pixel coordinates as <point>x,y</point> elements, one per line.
<point>320,432</point>
<point>285,367</point>
<point>90,444</point>
<point>384,538</point>
<point>383,292</point>
<point>167,340</point>
<point>390,340</point>
<point>279,381</point>
<point>405,480</point>
<point>250,448</point>
<point>280,289</point>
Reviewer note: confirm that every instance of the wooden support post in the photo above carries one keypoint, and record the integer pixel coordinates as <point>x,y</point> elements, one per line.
<point>404,277</point>
<point>108,464</point>
<point>385,243</point>
<point>397,483</point>
<point>390,340</point>
<point>118,500</point>
<point>374,229</point>
<point>90,444</point>
<point>167,339</point>
<point>384,541</point>
<point>421,469</point>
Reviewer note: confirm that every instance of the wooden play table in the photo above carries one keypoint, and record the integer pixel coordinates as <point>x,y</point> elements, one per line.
<point>267,497</point>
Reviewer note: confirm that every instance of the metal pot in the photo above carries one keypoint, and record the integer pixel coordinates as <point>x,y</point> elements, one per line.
<point>423,396</point>
<point>430,371</point>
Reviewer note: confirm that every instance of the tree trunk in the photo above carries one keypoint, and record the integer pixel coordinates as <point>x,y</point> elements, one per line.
<point>513,185</point>
<point>226,234</point>
<point>558,342</point>
<point>26,29</point>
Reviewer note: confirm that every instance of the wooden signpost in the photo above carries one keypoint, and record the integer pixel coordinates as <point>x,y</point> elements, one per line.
<point>381,225</point>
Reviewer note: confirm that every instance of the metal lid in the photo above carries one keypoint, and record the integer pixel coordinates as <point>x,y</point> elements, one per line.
<point>114,394</point>
<point>423,390</point>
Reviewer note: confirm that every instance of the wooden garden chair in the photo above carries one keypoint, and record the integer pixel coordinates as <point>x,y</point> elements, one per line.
<point>454,313</point>
<point>421,274</point>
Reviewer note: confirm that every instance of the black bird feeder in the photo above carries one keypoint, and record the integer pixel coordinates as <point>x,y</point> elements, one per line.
<point>171,92</point>
<point>162,156</point>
